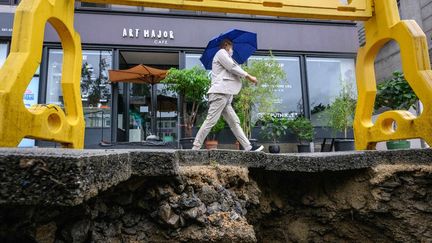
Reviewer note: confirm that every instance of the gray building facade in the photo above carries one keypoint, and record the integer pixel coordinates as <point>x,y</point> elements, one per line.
<point>316,55</point>
<point>389,59</point>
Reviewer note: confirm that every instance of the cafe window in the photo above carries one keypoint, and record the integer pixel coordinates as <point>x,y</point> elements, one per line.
<point>95,90</point>
<point>31,94</point>
<point>9,2</point>
<point>94,5</point>
<point>3,52</point>
<point>193,60</point>
<point>289,100</point>
<point>326,76</point>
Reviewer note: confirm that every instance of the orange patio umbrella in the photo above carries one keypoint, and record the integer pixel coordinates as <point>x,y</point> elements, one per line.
<point>138,74</point>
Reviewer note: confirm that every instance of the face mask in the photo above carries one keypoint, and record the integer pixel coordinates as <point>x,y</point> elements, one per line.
<point>230,52</point>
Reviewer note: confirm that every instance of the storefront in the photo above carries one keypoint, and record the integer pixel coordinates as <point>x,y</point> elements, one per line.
<point>316,56</point>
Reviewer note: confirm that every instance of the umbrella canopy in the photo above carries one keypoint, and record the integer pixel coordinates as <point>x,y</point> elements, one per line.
<point>244,45</point>
<point>138,74</point>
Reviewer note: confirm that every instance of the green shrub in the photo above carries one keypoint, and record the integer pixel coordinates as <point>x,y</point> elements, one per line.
<point>395,93</point>
<point>302,128</point>
<point>274,127</point>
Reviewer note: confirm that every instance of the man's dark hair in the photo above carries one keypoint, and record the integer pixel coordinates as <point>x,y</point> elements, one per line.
<point>225,42</point>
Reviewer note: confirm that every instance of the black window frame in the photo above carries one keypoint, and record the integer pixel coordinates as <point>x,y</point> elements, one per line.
<point>10,2</point>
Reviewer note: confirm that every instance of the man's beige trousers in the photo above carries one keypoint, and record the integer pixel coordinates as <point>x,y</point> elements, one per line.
<point>220,104</point>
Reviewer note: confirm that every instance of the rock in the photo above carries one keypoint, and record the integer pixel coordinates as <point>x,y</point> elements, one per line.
<point>215,220</point>
<point>239,209</point>
<point>100,207</point>
<point>115,212</point>
<point>191,213</point>
<point>226,205</point>
<point>77,232</point>
<point>234,216</point>
<point>179,188</point>
<point>174,221</point>
<point>202,209</point>
<point>165,212</point>
<point>423,207</point>
<point>131,219</point>
<point>195,212</point>
<point>190,202</point>
<point>214,208</point>
<point>168,217</point>
<point>129,231</point>
<point>46,233</point>
<point>189,190</point>
<point>208,194</point>
<point>182,221</point>
<point>201,220</point>
<point>165,191</point>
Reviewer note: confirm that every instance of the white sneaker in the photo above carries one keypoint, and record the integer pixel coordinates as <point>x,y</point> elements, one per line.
<point>257,148</point>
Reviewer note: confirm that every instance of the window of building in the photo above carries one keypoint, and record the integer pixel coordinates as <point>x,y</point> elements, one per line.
<point>95,90</point>
<point>9,2</point>
<point>289,99</point>
<point>325,79</point>
<point>94,5</point>
<point>31,94</point>
<point>193,60</point>
<point>3,52</point>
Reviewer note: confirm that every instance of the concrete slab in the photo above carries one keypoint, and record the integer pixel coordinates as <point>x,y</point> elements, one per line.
<point>68,177</point>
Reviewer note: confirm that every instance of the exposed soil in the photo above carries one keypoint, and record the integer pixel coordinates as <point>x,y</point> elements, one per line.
<point>389,203</point>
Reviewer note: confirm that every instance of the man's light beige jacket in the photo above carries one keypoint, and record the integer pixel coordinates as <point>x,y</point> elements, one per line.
<point>226,74</point>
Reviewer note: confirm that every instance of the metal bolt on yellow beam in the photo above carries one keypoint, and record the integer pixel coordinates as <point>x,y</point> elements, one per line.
<point>67,127</point>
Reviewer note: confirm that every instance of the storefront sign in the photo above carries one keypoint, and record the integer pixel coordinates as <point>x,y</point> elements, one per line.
<point>6,23</point>
<point>6,29</point>
<point>158,36</point>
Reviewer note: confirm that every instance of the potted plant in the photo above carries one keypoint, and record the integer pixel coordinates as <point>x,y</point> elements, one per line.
<point>192,86</point>
<point>258,99</point>
<point>341,115</point>
<point>303,129</point>
<point>211,141</point>
<point>396,94</point>
<point>274,128</point>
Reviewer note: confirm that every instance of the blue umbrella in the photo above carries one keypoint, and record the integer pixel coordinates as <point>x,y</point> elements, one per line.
<point>245,44</point>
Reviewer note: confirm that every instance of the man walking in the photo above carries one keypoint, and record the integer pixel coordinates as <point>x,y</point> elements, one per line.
<point>226,75</point>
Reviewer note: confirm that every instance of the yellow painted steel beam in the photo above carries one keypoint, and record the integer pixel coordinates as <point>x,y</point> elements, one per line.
<point>317,9</point>
<point>45,122</point>
<point>385,26</point>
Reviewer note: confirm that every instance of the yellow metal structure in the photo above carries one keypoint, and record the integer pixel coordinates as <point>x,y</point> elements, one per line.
<point>384,26</point>
<point>45,122</point>
<point>67,127</point>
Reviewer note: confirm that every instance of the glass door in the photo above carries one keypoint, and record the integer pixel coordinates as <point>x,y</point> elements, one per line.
<point>166,120</point>
<point>139,112</point>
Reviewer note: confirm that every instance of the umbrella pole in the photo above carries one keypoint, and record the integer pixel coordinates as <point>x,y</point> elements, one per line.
<point>154,107</point>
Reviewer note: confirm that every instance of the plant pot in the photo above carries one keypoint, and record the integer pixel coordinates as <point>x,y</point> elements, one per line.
<point>344,145</point>
<point>211,144</point>
<point>187,143</point>
<point>237,145</point>
<point>401,144</point>
<point>274,149</point>
<point>303,148</point>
